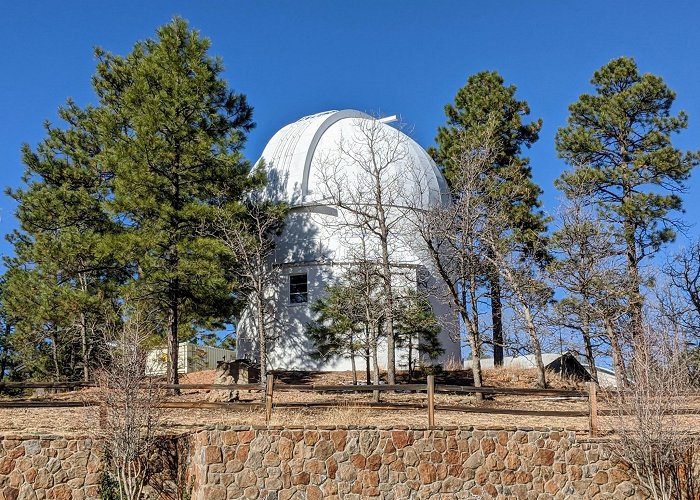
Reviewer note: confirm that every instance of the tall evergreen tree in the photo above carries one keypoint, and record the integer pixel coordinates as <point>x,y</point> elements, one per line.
<point>485,102</point>
<point>60,281</point>
<point>115,201</point>
<point>618,142</point>
<point>173,135</point>
<point>9,361</point>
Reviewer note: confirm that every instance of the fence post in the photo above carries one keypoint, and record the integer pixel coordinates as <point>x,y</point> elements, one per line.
<point>431,400</point>
<point>592,409</point>
<point>268,397</point>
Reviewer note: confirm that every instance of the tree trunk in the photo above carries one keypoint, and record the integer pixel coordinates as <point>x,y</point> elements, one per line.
<point>375,367</point>
<point>618,362</point>
<point>389,320</point>
<point>5,360</point>
<point>410,358</point>
<point>536,347</point>
<point>173,375</point>
<point>54,358</point>
<point>388,285</point>
<point>476,361</point>
<point>368,356</point>
<point>84,347</point>
<point>496,319</point>
<point>635,296</point>
<point>83,330</point>
<point>474,336</point>
<point>353,368</point>
<point>262,337</point>
<point>586,334</point>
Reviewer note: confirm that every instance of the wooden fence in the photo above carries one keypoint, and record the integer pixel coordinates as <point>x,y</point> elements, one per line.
<point>270,387</point>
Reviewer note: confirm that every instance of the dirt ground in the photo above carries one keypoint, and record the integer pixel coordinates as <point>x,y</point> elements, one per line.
<point>84,420</point>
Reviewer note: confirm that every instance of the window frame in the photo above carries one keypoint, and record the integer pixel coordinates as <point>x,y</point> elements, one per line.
<point>295,292</point>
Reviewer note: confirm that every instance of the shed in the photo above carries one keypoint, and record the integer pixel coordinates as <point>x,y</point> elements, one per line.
<point>565,363</point>
<point>191,358</point>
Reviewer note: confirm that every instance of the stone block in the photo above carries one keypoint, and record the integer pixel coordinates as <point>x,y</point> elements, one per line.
<point>245,437</point>
<point>251,493</point>
<point>544,457</point>
<point>214,492</point>
<point>339,439</point>
<point>427,473</point>
<point>576,456</point>
<point>10,493</point>
<point>347,472</point>
<point>324,449</point>
<point>212,455</point>
<point>374,462</point>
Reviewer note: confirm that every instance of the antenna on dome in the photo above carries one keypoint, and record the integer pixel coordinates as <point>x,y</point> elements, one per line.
<point>389,119</point>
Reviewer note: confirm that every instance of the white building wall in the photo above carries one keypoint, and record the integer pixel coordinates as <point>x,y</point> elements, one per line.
<point>291,349</point>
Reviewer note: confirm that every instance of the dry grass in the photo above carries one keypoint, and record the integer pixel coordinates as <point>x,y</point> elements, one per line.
<point>83,420</point>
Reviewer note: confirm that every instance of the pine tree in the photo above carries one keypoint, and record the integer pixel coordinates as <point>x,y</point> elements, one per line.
<point>348,322</point>
<point>115,201</point>
<point>618,142</point>
<point>62,277</point>
<point>418,329</point>
<point>338,326</point>
<point>486,102</point>
<point>9,361</point>
<point>173,134</point>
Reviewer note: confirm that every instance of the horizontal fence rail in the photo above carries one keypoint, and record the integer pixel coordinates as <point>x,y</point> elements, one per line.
<point>270,386</point>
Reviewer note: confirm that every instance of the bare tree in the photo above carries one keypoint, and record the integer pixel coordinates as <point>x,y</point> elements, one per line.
<point>130,405</point>
<point>588,268</point>
<point>654,438</point>
<point>530,293</point>
<point>365,179</point>
<point>453,236</point>
<point>684,271</point>
<point>249,238</point>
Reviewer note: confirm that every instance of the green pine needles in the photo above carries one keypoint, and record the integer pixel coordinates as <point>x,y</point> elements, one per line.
<point>115,202</point>
<point>618,143</point>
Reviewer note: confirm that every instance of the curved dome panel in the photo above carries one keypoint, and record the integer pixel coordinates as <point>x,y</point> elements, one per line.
<point>295,153</point>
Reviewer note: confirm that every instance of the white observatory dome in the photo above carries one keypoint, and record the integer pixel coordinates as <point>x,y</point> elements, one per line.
<point>294,158</point>
<point>323,167</point>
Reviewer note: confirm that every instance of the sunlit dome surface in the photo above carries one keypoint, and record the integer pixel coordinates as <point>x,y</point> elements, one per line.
<point>295,155</point>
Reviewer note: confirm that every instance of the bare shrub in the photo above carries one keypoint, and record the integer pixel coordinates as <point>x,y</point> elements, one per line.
<point>453,365</point>
<point>129,400</point>
<point>651,418</point>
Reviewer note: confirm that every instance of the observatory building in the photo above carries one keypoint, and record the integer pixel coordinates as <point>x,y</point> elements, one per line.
<point>327,168</point>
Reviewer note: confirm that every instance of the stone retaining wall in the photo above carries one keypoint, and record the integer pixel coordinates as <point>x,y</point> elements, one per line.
<point>332,462</point>
<point>351,463</point>
<point>51,467</point>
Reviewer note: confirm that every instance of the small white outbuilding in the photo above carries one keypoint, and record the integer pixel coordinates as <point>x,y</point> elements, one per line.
<point>190,358</point>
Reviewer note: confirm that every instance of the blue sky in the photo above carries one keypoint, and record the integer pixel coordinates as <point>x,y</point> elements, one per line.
<point>294,58</point>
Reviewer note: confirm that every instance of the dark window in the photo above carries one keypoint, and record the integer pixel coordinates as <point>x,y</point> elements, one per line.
<point>298,288</point>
